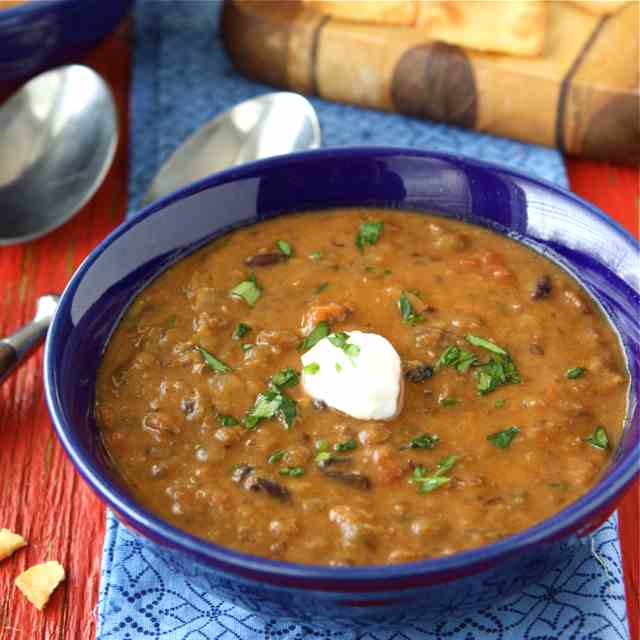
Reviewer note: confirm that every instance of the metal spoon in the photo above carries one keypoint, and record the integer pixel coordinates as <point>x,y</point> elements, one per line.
<point>58,136</point>
<point>269,125</point>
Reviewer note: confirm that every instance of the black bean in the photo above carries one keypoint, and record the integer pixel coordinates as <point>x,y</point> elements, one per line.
<point>270,487</point>
<point>187,406</point>
<point>264,259</point>
<point>542,289</point>
<point>419,374</point>
<point>348,477</point>
<point>241,472</point>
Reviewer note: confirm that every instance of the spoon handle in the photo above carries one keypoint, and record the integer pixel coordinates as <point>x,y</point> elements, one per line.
<point>20,344</point>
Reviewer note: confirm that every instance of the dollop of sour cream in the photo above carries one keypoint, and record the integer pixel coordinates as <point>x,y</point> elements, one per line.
<point>364,380</point>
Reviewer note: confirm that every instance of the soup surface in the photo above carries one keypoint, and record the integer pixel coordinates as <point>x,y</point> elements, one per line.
<point>513,390</point>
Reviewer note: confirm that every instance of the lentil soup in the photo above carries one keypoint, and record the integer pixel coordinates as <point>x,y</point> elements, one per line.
<point>509,398</point>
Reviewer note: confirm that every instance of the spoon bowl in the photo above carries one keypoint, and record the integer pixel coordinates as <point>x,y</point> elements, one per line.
<point>58,136</point>
<point>269,125</point>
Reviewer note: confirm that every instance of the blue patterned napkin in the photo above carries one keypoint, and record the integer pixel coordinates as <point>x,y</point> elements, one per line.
<point>181,78</point>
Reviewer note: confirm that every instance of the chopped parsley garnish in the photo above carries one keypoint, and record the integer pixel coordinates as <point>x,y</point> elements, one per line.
<point>322,445</point>
<point>369,233</point>
<point>285,378</point>
<point>476,341</point>
<point>341,341</point>
<point>241,331</point>
<point>247,346</point>
<point>217,365</point>
<point>292,472</point>
<point>576,372</point>
<point>428,483</point>
<point>320,331</point>
<point>249,290</point>
<point>599,439</point>
<point>500,369</point>
<point>407,312</point>
<point>455,357</point>
<point>276,456</point>
<point>321,287</point>
<point>271,404</point>
<point>285,248</point>
<point>424,441</point>
<point>227,421</point>
<point>312,368</point>
<point>449,401</point>
<point>325,458</point>
<point>500,403</point>
<point>502,439</point>
<point>347,445</point>
<point>315,255</point>
<point>338,367</point>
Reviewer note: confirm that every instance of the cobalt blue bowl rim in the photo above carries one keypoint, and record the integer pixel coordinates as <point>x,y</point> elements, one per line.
<point>30,7</point>
<point>558,526</point>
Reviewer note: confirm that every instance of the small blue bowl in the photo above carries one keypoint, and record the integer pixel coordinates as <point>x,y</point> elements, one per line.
<point>582,239</point>
<point>40,34</point>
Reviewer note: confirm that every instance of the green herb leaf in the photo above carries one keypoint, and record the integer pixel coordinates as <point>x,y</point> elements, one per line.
<point>500,403</point>
<point>340,340</point>
<point>498,371</point>
<point>599,439</point>
<point>338,367</point>
<point>321,331</point>
<point>576,372</point>
<point>446,464</point>
<point>217,365</point>
<point>285,248</point>
<point>320,288</point>
<point>276,456</point>
<point>455,357</point>
<point>249,290</point>
<point>449,401</point>
<point>322,445</point>
<point>293,472</point>
<point>476,341</point>
<point>288,411</point>
<point>347,445</point>
<point>325,458</point>
<point>247,346</point>
<point>502,439</point>
<point>369,233</point>
<point>424,441</point>
<point>312,368</point>
<point>285,378</point>
<point>227,421</point>
<point>241,331</point>
<point>407,312</point>
<point>266,406</point>
<point>315,255</point>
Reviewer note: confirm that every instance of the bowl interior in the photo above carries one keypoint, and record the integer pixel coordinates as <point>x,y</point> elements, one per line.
<point>577,236</point>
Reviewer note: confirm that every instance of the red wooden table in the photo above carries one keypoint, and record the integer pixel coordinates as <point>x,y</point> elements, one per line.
<point>42,497</point>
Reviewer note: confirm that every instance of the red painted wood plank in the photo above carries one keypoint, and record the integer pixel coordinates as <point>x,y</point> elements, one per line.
<point>616,190</point>
<point>41,496</point>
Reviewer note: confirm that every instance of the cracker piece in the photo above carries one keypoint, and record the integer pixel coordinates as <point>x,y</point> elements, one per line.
<point>600,7</point>
<point>9,543</point>
<point>517,27</point>
<point>38,582</point>
<point>392,12</point>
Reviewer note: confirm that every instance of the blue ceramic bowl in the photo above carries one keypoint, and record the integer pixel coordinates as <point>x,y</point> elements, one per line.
<point>44,33</point>
<point>555,222</point>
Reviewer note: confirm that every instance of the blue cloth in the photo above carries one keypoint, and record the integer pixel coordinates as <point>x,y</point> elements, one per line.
<point>181,78</point>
